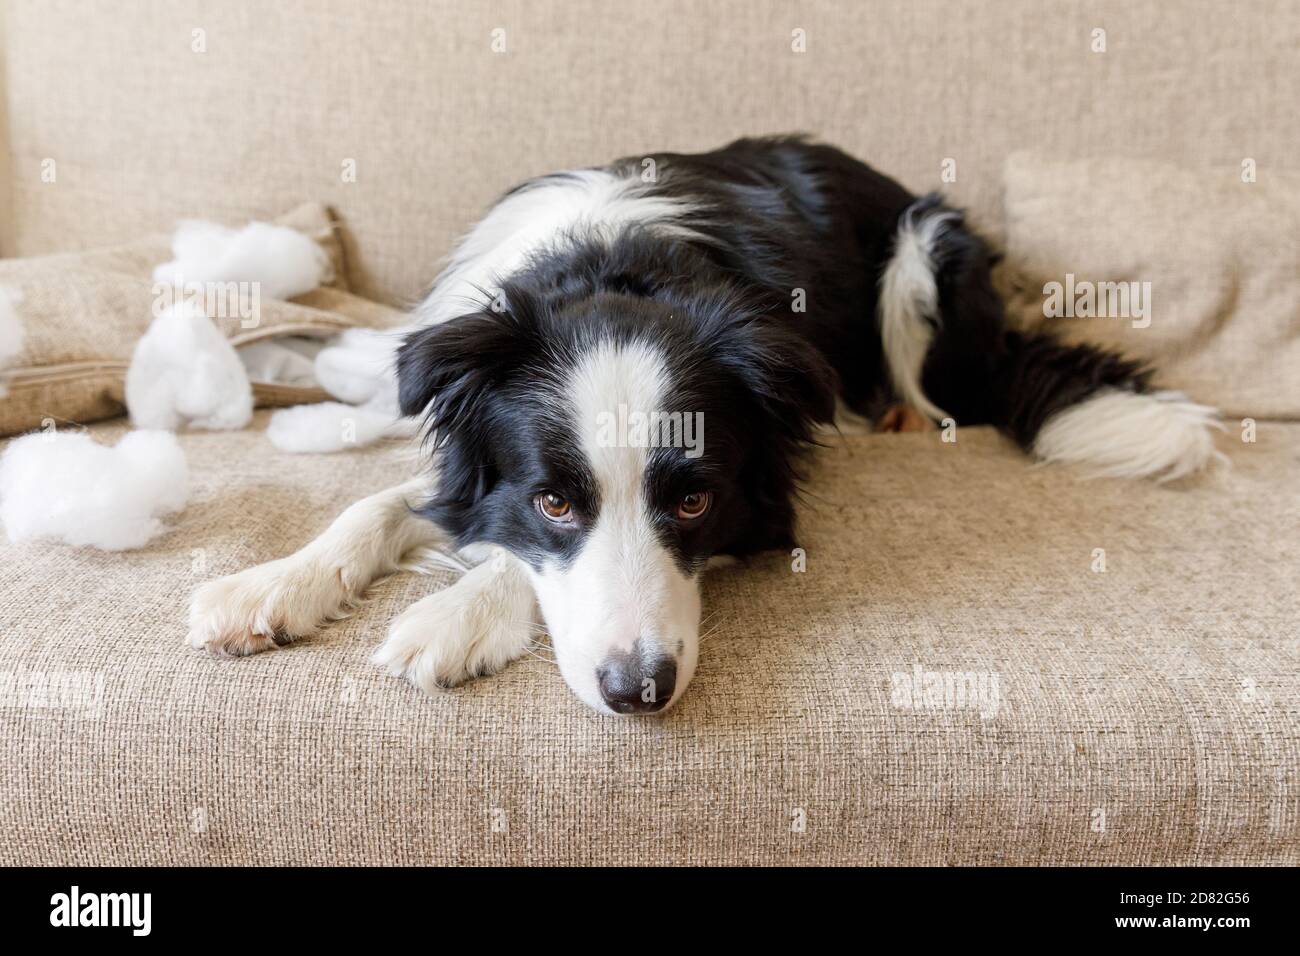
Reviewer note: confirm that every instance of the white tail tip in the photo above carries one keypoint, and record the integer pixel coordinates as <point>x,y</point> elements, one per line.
<point>1123,434</point>
<point>909,305</point>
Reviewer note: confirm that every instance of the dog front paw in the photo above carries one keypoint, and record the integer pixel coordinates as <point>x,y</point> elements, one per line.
<point>264,607</point>
<point>473,628</point>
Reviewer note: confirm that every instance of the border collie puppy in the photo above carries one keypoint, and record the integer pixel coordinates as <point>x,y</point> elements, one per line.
<point>620,372</point>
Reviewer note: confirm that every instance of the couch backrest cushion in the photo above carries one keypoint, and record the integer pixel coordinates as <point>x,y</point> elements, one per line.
<point>149,111</point>
<point>1194,271</point>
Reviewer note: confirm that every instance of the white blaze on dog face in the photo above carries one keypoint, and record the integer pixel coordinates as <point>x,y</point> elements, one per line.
<point>622,612</point>
<point>614,446</point>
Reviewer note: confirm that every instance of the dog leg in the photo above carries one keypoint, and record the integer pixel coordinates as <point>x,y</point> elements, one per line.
<point>470,629</point>
<point>271,604</point>
<point>903,418</point>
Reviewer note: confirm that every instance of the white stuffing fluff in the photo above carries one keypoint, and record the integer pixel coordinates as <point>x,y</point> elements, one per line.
<point>64,485</point>
<point>11,331</point>
<point>282,261</point>
<point>358,365</point>
<point>185,370</point>
<point>332,426</point>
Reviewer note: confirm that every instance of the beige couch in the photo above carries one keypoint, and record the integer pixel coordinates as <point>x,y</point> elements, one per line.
<point>1144,714</point>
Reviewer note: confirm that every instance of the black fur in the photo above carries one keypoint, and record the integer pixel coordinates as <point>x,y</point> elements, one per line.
<point>779,218</point>
<point>491,387</point>
<point>983,373</point>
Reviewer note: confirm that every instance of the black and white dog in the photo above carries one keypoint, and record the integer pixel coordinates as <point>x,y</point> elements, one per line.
<point>751,290</point>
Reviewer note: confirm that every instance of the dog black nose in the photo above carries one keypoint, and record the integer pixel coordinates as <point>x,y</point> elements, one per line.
<point>631,684</point>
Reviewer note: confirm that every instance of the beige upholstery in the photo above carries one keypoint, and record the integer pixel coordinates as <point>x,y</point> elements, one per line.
<point>1161,693</point>
<point>1205,283</point>
<point>1146,713</point>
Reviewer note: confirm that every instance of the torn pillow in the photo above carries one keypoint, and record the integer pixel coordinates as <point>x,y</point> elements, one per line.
<point>11,331</point>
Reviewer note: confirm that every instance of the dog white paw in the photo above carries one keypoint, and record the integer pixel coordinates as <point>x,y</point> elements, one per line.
<point>265,606</point>
<point>472,628</point>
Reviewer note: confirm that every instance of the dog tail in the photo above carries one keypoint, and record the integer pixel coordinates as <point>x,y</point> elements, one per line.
<point>951,355</point>
<point>909,298</point>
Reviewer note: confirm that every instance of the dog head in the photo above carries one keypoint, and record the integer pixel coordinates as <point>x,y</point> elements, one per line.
<point>614,444</point>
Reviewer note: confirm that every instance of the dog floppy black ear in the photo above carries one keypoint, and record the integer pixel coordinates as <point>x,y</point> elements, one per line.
<point>447,373</point>
<point>793,389</point>
<point>793,384</point>
<point>445,370</point>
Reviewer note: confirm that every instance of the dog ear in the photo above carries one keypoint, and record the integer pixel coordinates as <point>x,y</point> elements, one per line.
<point>794,385</point>
<point>795,389</point>
<point>445,370</point>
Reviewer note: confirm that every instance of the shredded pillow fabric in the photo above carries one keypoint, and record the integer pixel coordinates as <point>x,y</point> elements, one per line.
<point>184,370</point>
<point>67,487</point>
<point>287,360</point>
<point>83,313</point>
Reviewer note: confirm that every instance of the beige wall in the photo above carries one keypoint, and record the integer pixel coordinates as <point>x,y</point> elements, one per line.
<point>145,130</point>
<point>6,177</point>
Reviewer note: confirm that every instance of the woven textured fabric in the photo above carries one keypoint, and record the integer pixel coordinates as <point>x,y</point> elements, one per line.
<point>402,117</point>
<point>1200,271</point>
<point>84,312</point>
<point>1144,713</point>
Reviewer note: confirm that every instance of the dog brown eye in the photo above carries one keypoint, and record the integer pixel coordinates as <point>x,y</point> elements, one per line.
<point>694,505</point>
<point>554,507</point>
